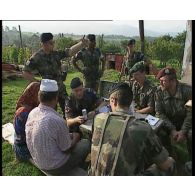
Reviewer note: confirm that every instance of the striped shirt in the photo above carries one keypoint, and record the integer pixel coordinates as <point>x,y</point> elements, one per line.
<point>47,137</point>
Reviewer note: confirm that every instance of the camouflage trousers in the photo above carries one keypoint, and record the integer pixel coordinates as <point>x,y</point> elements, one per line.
<point>62,97</point>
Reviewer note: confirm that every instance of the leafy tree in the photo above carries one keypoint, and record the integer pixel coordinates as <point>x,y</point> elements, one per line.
<point>64,42</point>
<point>14,54</point>
<point>111,48</point>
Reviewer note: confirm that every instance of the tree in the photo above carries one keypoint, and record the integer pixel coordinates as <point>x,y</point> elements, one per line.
<point>21,56</point>
<point>14,54</point>
<point>111,48</point>
<point>162,50</point>
<point>64,42</point>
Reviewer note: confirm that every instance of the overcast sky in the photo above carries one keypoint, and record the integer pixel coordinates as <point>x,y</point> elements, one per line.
<point>97,27</point>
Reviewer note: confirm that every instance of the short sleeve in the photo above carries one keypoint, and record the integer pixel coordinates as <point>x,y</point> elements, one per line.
<point>79,55</point>
<point>31,65</point>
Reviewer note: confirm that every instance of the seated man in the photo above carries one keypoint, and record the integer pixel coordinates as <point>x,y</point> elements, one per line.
<point>170,99</point>
<point>123,145</point>
<point>26,102</point>
<point>143,89</point>
<point>80,98</point>
<point>52,148</point>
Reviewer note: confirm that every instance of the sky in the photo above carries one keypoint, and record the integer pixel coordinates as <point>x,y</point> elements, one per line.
<point>99,27</point>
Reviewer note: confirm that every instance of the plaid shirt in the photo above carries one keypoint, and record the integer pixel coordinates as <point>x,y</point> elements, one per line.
<point>47,137</point>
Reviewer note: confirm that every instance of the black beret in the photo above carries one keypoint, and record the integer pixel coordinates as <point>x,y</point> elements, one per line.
<point>136,67</point>
<point>46,37</point>
<point>91,37</point>
<point>76,82</point>
<point>166,71</point>
<point>131,42</point>
<point>119,86</point>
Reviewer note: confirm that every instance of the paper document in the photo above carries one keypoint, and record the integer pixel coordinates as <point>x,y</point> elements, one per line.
<point>152,120</point>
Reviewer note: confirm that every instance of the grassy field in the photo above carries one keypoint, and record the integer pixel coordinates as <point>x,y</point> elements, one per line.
<point>11,90</point>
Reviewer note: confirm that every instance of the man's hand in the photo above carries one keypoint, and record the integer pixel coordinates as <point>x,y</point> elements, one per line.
<point>174,135</point>
<point>181,136</point>
<point>79,119</point>
<point>76,136</point>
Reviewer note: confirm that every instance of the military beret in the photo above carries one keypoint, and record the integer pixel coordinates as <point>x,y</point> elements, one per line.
<point>166,71</point>
<point>76,82</point>
<point>46,37</point>
<point>119,86</point>
<point>91,37</point>
<point>136,67</point>
<point>131,42</point>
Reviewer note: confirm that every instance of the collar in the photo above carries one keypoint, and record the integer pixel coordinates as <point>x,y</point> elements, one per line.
<point>121,110</point>
<point>48,108</point>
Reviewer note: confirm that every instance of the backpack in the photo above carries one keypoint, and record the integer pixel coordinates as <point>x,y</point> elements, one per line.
<point>105,154</point>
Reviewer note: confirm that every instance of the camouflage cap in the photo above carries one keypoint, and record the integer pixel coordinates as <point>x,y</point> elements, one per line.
<point>166,71</point>
<point>119,86</point>
<point>46,37</point>
<point>131,42</point>
<point>137,67</point>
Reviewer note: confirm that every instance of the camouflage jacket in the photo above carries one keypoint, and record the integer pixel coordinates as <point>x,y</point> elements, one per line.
<point>91,62</point>
<point>143,96</point>
<point>172,109</point>
<point>139,146</point>
<point>47,65</point>
<point>131,60</point>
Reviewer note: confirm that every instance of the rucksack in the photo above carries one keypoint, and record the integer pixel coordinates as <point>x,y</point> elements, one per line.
<point>109,145</point>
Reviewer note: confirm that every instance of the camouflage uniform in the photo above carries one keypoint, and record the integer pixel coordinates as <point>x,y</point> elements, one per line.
<point>91,70</point>
<point>171,109</point>
<point>74,107</point>
<point>139,146</point>
<point>143,96</point>
<point>49,67</point>
<point>129,61</point>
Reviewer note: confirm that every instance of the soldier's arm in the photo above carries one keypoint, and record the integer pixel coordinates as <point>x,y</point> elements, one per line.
<point>159,108</point>
<point>187,124</point>
<point>75,48</point>
<point>75,58</point>
<point>70,118</point>
<point>156,153</point>
<point>150,105</point>
<point>28,70</point>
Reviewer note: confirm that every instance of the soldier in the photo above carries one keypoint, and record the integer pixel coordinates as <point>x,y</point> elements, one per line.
<point>47,63</point>
<point>143,90</point>
<point>170,99</point>
<point>90,58</point>
<point>133,57</point>
<point>80,98</point>
<point>123,145</point>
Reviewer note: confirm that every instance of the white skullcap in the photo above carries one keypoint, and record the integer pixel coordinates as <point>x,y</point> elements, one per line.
<point>48,85</point>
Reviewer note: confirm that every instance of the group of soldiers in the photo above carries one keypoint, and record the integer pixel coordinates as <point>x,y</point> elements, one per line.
<point>120,143</point>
